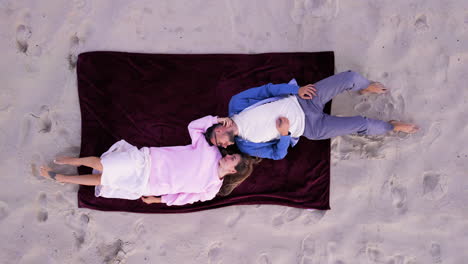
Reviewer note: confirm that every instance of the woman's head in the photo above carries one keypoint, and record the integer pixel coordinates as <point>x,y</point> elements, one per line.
<point>229,163</point>
<point>241,166</point>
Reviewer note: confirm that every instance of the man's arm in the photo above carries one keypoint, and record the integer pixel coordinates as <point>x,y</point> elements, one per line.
<point>268,90</point>
<point>277,151</point>
<point>244,99</point>
<point>274,151</point>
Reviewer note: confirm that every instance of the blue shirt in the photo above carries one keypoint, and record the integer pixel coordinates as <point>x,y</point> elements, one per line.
<point>275,149</point>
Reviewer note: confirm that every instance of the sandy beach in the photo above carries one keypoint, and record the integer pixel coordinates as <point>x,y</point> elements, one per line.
<point>395,199</point>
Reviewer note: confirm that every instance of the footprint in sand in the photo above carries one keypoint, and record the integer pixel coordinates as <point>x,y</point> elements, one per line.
<point>389,106</point>
<point>385,106</point>
<point>292,214</point>
<point>3,210</point>
<point>326,9</point>
<point>141,27</point>
<point>314,216</point>
<point>233,220</point>
<point>79,4</point>
<point>398,259</point>
<point>361,147</point>
<point>434,185</point>
<point>112,253</point>
<point>35,171</point>
<point>75,42</point>
<point>215,253</point>
<point>399,197</point>
<point>298,12</point>
<point>26,130</point>
<point>79,226</point>
<point>410,261</point>
<point>433,134</point>
<point>373,254</point>
<point>308,252</point>
<point>341,149</point>
<point>436,253</point>
<point>35,160</point>
<point>288,215</point>
<point>139,233</point>
<point>60,199</point>
<point>42,214</point>
<point>44,123</point>
<point>140,229</point>
<point>373,148</point>
<point>23,33</point>
<point>263,259</point>
<point>331,252</point>
<point>421,23</point>
<point>81,234</point>
<point>137,16</point>
<point>277,221</point>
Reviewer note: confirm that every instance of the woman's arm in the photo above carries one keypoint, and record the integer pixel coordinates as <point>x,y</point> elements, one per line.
<point>189,198</point>
<point>151,199</point>
<point>197,127</point>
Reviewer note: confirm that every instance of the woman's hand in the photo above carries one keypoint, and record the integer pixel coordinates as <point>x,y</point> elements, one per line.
<point>151,199</point>
<point>225,121</point>
<point>307,92</point>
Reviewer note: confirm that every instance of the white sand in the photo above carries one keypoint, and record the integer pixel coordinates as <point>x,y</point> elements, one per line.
<point>395,199</point>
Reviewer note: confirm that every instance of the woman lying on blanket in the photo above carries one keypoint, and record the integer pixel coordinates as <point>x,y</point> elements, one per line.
<point>171,175</point>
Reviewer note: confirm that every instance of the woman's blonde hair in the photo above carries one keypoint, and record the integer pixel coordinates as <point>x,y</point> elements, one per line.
<point>243,170</point>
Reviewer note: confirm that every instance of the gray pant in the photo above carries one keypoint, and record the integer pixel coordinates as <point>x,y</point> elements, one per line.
<point>319,125</point>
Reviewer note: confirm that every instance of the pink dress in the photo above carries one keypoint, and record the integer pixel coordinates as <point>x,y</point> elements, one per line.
<point>180,175</point>
<point>186,174</point>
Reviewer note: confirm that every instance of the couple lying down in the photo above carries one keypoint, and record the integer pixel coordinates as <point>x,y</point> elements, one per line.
<point>264,122</point>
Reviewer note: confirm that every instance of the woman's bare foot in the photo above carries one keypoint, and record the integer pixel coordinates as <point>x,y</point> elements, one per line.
<point>67,161</point>
<point>404,127</point>
<point>47,173</point>
<point>374,88</point>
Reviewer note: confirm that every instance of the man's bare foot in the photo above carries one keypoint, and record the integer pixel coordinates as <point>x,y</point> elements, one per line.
<point>374,88</point>
<point>404,127</point>
<point>47,173</point>
<point>66,161</point>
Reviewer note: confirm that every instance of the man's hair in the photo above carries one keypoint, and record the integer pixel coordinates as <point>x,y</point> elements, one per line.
<point>209,133</point>
<point>243,170</point>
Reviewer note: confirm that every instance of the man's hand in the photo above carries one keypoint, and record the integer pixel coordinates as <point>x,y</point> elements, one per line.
<point>282,124</point>
<point>307,92</point>
<point>150,199</point>
<point>226,121</point>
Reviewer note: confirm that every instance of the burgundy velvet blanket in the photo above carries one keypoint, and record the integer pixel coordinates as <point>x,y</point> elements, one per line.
<point>149,99</point>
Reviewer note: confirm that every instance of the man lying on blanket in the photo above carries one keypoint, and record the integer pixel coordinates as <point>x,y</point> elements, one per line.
<point>266,120</point>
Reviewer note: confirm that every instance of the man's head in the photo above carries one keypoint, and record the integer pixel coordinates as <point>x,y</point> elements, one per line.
<point>219,135</point>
